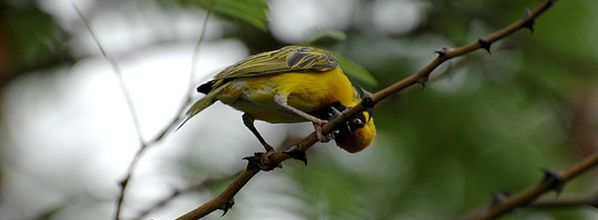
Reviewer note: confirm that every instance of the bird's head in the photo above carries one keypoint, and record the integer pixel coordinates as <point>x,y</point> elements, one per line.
<point>357,133</point>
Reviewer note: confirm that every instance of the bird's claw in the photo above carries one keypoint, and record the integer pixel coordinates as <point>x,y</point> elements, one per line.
<point>261,161</point>
<point>318,125</point>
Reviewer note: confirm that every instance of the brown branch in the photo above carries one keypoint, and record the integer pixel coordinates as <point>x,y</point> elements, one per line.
<point>420,77</point>
<point>570,202</point>
<point>552,181</point>
<point>207,183</point>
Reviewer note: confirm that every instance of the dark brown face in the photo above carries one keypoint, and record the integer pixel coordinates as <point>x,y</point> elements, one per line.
<point>353,135</point>
<point>358,133</point>
<point>345,129</point>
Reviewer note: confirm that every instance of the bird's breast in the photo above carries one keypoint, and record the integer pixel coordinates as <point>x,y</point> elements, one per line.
<point>306,91</point>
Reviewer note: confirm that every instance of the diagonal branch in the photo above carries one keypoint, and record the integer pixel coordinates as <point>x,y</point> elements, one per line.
<point>551,181</point>
<point>207,183</point>
<point>420,77</point>
<point>570,202</point>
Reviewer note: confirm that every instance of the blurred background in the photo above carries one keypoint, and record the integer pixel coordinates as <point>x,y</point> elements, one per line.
<point>486,123</point>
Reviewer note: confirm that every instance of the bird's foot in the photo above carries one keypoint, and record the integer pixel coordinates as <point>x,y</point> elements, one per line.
<point>318,125</point>
<point>261,161</point>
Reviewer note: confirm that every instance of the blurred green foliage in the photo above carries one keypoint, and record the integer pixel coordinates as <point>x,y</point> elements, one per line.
<point>491,124</point>
<point>252,12</point>
<point>356,71</point>
<point>34,38</point>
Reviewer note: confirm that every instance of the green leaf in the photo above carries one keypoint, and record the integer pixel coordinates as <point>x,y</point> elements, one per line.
<point>253,12</point>
<point>35,36</point>
<point>356,71</point>
<point>321,36</point>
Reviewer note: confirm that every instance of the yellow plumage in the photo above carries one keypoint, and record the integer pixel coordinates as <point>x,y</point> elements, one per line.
<point>305,91</point>
<point>289,85</point>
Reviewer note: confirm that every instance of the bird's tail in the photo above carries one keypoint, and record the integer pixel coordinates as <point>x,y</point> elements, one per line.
<point>202,103</point>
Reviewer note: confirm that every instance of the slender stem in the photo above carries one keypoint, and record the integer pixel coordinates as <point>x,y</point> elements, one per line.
<point>117,71</point>
<point>195,57</point>
<point>175,193</point>
<point>144,145</point>
<point>420,77</point>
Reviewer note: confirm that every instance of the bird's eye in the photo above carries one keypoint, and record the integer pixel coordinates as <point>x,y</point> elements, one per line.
<point>358,122</point>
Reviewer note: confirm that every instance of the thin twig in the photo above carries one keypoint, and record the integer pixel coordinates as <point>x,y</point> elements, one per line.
<point>131,107</point>
<point>420,77</point>
<point>171,125</point>
<point>144,145</point>
<point>117,71</point>
<point>195,57</point>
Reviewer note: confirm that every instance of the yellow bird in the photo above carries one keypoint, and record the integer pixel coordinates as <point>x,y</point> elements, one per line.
<point>289,85</point>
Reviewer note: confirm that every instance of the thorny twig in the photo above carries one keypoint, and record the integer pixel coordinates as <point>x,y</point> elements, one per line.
<point>205,184</point>
<point>552,181</point>
<point>421,77</point>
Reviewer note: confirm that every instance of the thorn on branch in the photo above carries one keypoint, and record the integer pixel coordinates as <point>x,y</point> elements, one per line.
<point>441,52</point>
<point>367,101</point>
<point>225,206</point>
<point>421,78</point>
<point>529,24</point>
<point>485,44</point>
<point>297,154</point>
<point>551,2</point>
<point>554,179</point>
<point>123,183</point>
<point>422,81</point>
<point>499,197</point>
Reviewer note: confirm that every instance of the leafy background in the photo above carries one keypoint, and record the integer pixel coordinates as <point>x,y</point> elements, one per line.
<point>486,123</point>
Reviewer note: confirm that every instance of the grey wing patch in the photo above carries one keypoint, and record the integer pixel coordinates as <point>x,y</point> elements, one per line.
<point>295,56</point>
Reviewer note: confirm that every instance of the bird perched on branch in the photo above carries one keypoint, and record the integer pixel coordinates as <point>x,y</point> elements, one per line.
<point>289,85</point>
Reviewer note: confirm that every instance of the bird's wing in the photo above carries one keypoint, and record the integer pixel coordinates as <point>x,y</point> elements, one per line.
<point>201,104</point>
<point>286,59</point>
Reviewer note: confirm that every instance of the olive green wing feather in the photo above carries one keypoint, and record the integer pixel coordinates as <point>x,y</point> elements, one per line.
<point>201,104</point>
<point>286,59</point>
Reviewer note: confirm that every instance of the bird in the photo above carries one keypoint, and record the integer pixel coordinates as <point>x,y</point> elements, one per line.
<point>290,85</point>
